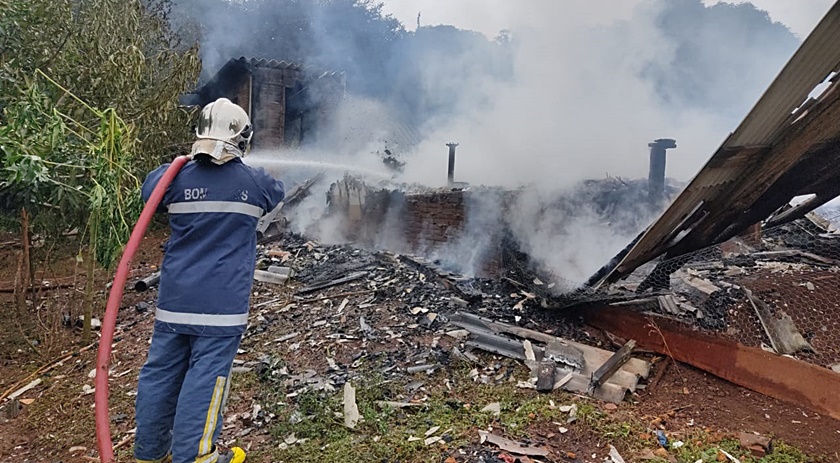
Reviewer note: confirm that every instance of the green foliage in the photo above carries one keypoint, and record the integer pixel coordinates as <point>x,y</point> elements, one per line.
<point>589,414</point>
<point>118,54</point>
<point>35,168</point>
<point>114,203</point>
<point>455,404</point>
<point>384,433</point>
<point>75,175</point>
<point>784,453</point>
<point>698,448</point>
<point>88,104</point>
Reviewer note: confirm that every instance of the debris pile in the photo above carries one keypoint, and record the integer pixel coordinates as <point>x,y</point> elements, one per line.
<point>775,291</point>
<point>557,362</point>
<point>407,318</point>
<point>415,283</point>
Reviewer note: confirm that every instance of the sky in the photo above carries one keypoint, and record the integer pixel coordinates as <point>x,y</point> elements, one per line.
<point>490,16</point>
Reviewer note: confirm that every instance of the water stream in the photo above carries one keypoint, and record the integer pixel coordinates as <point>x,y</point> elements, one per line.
<point>277,166</point>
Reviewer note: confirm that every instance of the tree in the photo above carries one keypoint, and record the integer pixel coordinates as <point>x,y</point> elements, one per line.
<point>76,174</point>
<point>117,54</point>
<point>85,87</point>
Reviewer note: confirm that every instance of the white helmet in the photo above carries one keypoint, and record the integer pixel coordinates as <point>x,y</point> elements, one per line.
<point>224,131</point>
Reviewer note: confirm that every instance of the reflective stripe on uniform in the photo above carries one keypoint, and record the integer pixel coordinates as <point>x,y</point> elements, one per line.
<point>205,446</point>
<point>201,319</point>
<point>231,207</point>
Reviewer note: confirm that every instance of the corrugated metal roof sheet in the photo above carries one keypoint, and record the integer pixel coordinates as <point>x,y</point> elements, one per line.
<point>403,135</point>
<point>813,62</point>
<point>310,71</point>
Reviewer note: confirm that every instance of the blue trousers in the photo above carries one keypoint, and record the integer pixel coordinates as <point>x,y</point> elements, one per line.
<point>180,396</point>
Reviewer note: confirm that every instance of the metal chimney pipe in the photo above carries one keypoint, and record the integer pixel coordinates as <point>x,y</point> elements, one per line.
<point>450,173</point>
<point>656,174</point>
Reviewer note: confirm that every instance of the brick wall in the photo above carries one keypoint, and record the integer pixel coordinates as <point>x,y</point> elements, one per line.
<point>431,225</point>
<point>433,219</point>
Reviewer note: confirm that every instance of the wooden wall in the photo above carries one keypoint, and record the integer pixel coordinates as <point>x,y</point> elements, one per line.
<point>268,107</point>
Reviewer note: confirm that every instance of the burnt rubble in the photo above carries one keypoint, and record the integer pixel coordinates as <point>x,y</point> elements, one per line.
<point>376,293</point>
<point>471,229</point>
<point>407,280</point>
<point>411,321</point>
<point>396,298</point>
<point>771,289</point>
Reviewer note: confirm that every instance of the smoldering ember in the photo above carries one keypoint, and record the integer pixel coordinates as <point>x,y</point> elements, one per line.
<point>407,304</point>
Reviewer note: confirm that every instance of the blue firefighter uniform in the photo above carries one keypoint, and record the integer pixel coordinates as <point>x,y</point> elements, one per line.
<point>202,307</point>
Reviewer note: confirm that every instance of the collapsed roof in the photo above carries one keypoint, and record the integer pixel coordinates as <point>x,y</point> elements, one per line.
<point>784,148</point>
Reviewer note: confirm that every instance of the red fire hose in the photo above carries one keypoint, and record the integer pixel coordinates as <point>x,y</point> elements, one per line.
<point>103,429</point>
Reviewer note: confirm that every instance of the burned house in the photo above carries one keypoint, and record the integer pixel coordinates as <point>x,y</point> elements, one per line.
<point>289,104</point>
<point>730,278</point>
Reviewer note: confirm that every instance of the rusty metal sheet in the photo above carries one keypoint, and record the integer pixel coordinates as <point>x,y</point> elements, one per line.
<point>768,143</point>
<point>784,378</point>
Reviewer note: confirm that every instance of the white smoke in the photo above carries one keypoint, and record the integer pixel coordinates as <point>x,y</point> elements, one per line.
<point>593,84</point>
<point>583,104</point>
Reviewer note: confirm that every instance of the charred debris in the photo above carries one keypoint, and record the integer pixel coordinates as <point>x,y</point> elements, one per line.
<point>403,247</point>
<point>760,289</point>
<point>390,266</point>
<point>399,294</point>
<point>395,254</point>
<point>730,278</point>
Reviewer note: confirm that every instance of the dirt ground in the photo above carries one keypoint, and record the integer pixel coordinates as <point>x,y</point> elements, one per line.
<point>56,420</point>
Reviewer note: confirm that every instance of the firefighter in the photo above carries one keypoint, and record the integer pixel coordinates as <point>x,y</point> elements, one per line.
<point>214,204</point>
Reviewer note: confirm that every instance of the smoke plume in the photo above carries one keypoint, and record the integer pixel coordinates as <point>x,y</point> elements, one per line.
<point>570,91</point>
<point>594,83</point>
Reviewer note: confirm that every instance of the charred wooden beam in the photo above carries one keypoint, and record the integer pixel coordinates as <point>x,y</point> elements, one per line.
<point>784,378</point>
<point>556,349</point>
<point>148,282</point>
<point>800,210</point>
<point>605,371</point>
<point>485,335</point>
<point>299,193</point>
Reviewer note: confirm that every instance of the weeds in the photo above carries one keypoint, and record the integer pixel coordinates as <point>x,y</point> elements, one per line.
<point>454,403</point>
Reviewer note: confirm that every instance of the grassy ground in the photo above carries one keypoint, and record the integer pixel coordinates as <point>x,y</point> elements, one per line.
<point>60,415</point>
<point>453,403</point>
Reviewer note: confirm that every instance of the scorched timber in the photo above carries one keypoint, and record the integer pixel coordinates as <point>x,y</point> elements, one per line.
<point>605,371</point>
<point>352,277</point>
<point>486,335</point>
